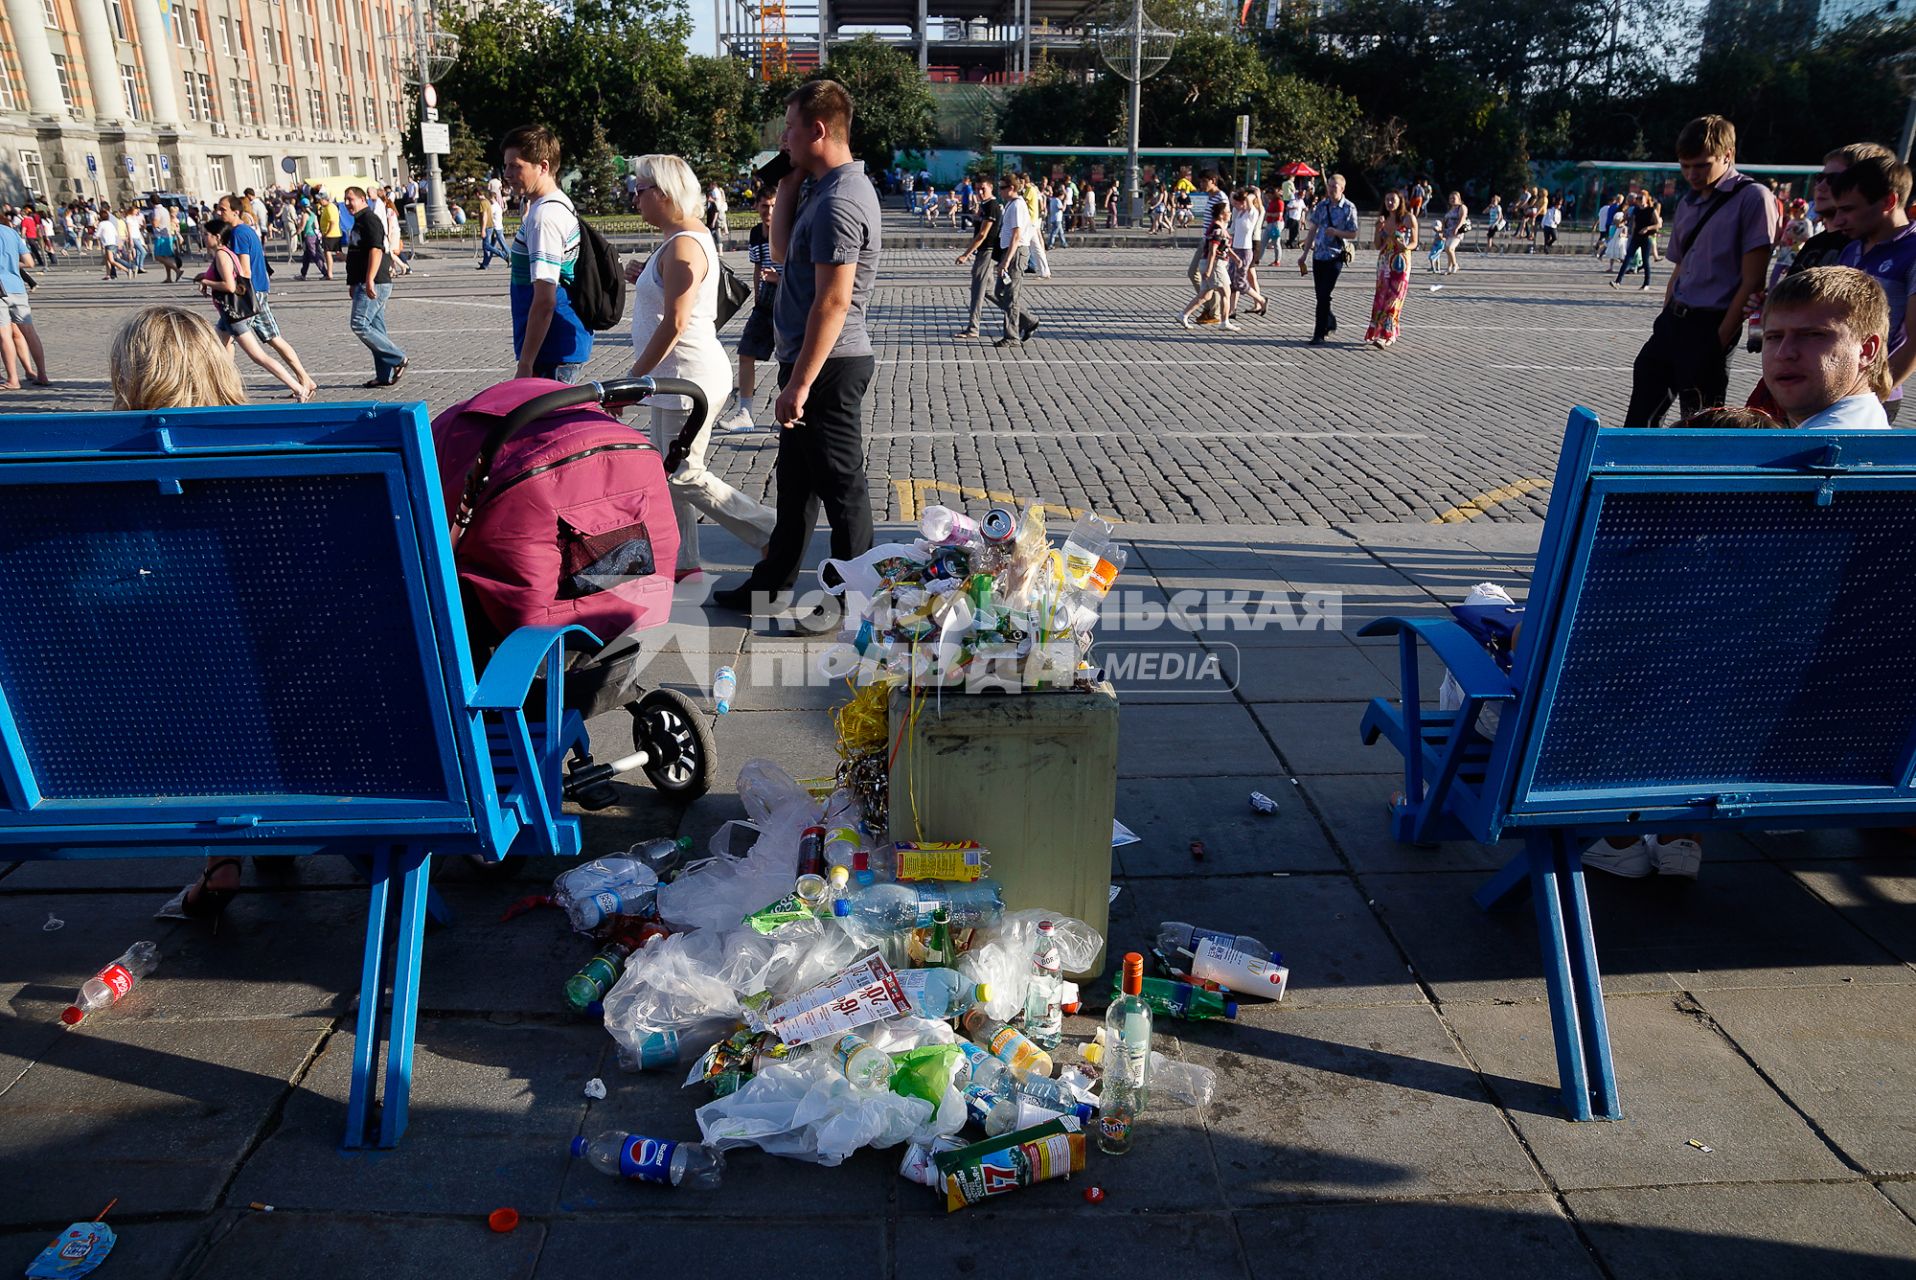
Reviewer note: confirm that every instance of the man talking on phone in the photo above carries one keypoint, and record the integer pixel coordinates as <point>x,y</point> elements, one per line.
<point>825,230</point>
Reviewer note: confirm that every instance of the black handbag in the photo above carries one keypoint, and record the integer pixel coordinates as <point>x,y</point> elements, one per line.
<point>240,304</point>
<point>733,293</point>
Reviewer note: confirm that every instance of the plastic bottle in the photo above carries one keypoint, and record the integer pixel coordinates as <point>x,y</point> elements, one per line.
<point>842,847</point>
<point>666,855</point>
<point>1127,1066</point>
<point>1175,935</point>
<point>590,983</point>
<point>1084,547</point>
<point>1182,1000</point>
<point>1008,1044</point>
<point>606,887</point>
<point>1021,1111</point>
<point>941,526</point>
<point>981,1069</point>
<point>889,907</point>
<point>838,882</point>
<point>1173,1081</point>
<point>626,1155</point>
<point>942,993</point>
<point>864,1064</point>
<point>724,689</point>
<point>113,982</point>
<point>1044,992</point>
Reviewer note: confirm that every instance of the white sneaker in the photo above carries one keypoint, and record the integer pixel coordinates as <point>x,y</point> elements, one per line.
<point>1231,325</point>
<point>737,417</point>
<point>1187,322</point>
<point>1632,863</point>
<point>1677,857</point>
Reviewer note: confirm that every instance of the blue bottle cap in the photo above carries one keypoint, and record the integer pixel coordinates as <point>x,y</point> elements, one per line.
<point>1230,1008</point>
<point>842,907</point>
<point>578,1146</point>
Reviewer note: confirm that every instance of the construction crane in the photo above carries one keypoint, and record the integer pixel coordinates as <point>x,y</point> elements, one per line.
<point>773,51</point>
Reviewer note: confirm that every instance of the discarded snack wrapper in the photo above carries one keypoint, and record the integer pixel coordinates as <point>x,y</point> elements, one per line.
<point>595,1088</point>
<point>964,860</point>
<point>1021,1158</point>
<point>1263,803</point>
<point>1699,1146</point>
<point>77,1250</point>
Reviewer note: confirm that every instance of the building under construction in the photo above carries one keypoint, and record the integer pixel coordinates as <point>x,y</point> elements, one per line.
<point>955,41</point>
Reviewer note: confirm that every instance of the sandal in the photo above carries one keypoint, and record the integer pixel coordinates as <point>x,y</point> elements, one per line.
<point>200,900</point>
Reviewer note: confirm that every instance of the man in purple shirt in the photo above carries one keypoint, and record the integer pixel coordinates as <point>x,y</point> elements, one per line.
<point>1868,202</point>
<point>1719,252</point>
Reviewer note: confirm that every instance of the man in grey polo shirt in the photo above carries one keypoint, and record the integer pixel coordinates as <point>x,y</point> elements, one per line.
<point>1719,252</point>
<point>828,240</point>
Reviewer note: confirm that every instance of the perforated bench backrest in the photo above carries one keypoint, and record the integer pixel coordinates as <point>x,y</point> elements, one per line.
<point>1717,617</point>
<point>257,631</point>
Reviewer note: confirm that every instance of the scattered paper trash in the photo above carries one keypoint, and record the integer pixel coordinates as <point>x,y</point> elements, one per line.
<point>1122,835</point>
<point>1115,890</point>
<point>1263,803</point>
<point>1699,1146</point>
<point>77,1250</point>
<point>595,1088</point>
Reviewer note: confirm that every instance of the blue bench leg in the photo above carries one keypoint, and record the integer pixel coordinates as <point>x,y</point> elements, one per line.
<point>1577,1021</point>
<point>409,886</point>
<point>1512,877</point>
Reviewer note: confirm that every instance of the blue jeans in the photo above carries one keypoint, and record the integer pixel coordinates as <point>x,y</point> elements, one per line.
<point>494,245</point>
<point>559,372</point>
<point>369,326</point>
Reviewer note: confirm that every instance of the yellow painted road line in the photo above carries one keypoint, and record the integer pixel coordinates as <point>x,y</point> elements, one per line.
<point>1485,501</point>
<point>911,498</point>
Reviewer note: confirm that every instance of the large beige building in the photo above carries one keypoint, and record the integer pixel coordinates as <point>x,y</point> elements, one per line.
<point>117,97</point>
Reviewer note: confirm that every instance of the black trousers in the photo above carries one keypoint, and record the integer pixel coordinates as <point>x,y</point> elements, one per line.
<point>1684,363</point>
<point>821,462</point>
<point>1324,273</point>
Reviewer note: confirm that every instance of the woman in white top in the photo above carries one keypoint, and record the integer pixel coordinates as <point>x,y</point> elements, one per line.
<point>675,333</point>
<point>1247,221</point>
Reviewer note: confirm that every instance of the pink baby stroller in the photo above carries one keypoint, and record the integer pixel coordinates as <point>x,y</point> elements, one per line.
<point>560,515</point>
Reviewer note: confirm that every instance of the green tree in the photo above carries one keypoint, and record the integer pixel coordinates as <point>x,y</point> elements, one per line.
<point>715,118</point>
<point>597,188</point>
<point>891,106</point>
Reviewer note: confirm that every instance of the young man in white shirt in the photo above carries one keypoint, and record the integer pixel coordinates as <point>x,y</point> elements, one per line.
<point>548,337</point>
<point>1016,231</point>
<point>1826,349</point>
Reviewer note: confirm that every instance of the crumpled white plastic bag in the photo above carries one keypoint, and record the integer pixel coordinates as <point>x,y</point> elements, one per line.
<point>805,1109</point>
<point>1001,955</point>
<point>717,895</point>
<point>869,573</point>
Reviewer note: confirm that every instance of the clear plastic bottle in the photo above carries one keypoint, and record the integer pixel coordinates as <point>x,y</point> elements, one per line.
<point>606,887</point>
<point>1006,1043</point>
<point>664,854</point>
<point>1044,992</point>
<point>942,993</point>
<point>944,527</point>
<point>1084,547</point>
<point>863,1063</point>
<point>1020,1111</point>
<point>724,689</point>
<point>889,907</point>
<point>678,1164</point>
<point>113,982</point>
<point>1127,1061</point>
<point>1175,935</point>
<point>842,847</point>
<point>981,1069</point>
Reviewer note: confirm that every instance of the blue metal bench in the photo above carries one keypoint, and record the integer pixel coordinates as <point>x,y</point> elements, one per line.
<point>1720,633</point>
<point>238,631</point>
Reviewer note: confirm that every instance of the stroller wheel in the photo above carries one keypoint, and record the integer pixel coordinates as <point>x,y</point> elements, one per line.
<point>670,727</point>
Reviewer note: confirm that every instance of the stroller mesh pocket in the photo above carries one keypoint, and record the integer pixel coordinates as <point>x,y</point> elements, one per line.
<point>593,562</point>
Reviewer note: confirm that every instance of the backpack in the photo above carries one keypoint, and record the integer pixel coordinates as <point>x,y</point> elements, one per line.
<point>598,281</point>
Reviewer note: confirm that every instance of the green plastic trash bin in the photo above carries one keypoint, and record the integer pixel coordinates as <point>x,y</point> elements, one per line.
<point>1033,777</point>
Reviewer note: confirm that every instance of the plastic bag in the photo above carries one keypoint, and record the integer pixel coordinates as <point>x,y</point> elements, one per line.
<point>1001,956</point>
<point>719,894</point>
<point>805,1109</point>
<point>875,569</point>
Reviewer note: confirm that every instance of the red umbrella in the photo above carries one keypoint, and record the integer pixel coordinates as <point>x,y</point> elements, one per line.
<point>1298,169</point>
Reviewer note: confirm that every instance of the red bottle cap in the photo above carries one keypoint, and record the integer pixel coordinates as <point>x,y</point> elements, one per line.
<point>1133,973</point>
<point>503,1220</point>
<point>72,1014</point>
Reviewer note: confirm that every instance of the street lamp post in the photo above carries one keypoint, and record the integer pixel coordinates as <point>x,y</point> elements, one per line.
<point>433,53</point>
<point>1137,51</point>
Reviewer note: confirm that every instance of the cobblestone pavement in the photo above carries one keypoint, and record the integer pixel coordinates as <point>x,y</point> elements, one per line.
<point>1112,406</point>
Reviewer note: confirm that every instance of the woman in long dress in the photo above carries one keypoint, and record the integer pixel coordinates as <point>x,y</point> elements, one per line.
<point>1394,239</point>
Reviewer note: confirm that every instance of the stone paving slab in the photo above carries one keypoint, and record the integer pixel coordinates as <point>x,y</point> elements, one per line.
<point>1759,1232</point>
<point>1172,812</point>
<point>805,1248</point>
<point>1351,807</point>
<point>1452,1238</point>
<point>1678,1079</point>
<point>1845,1058</point>
<point>303,1246</point>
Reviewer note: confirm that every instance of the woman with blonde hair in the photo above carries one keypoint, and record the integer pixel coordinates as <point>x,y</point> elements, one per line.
<point>170,358</point>
<point>675,335</point>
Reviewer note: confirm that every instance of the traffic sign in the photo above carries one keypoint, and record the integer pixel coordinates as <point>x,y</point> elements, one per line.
<point>289,165</point>
<point>131,169</point>
<point>93,165</point>
<point>435,139</point>
<point>429,96</point>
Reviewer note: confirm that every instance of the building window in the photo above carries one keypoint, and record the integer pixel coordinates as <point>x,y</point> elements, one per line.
<point>346,112</point>
<point>117,14</point>
<point>222,174</point>
<point>226,36</point>
<point>332,166</point>
<point>192,103</point>
<point>372,114</point>
<point>262,172</point>
<point>176,18</point>
<point>53,16</point>
<point>130,85</point>
<point>66,81</point>
<point>206,96</point>
<point>283,106</point>
<point>198,22</point>
<point>36,176</point>
<point>7,101</point>
<point>316,109</point>
<point>153,174</point>
<point>305,55</point>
